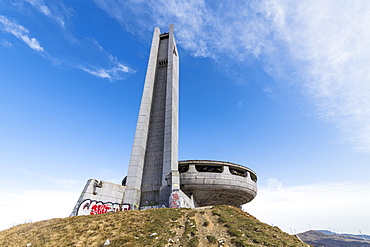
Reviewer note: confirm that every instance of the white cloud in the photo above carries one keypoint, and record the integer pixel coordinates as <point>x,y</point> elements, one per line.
<point>207,31</point>
<point>41,6</point>
<point>102,73</point>
<point>32,42</point>
<point>115,73</point>
<point>342,206</point>
<point>116,70</point>
<point>35,205</point>
<point>329,43</point>
<point>20,32</point>
<point>320,47</point>
<point>113,69</point>
<point>56,14</point>
<point>22,204</point>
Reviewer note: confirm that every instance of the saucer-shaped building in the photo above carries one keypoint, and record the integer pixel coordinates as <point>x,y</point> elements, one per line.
<point>216,182</point>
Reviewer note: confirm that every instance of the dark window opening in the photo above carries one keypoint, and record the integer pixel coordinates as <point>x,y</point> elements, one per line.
<point>162,63</point>
<point>253,177</point>
<point>218,169</point>
<point>237,172</point>
<point>183,168</point>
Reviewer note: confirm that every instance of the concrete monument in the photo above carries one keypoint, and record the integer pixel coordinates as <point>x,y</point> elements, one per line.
<point>154,157</point>
<point>155,177</point>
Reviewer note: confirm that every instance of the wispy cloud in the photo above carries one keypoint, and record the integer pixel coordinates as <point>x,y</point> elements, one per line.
<point>41,6</point>
<point>115,71</point>
<point>320,47</point>
<point>65,183</point>
<point>236,28</point>
<point>20,32</point>
<point>6,43</point>
<point>342,206</point>
<point>329,44</point>
<point>102,64</point>
<point>58,14</point>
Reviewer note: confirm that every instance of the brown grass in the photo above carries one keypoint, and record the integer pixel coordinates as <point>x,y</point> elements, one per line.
<point>173,227</point>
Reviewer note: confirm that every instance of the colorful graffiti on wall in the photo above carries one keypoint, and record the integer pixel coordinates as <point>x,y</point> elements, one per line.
<point>175,201</point>
<point>179,200</point>
<point>93,207</point>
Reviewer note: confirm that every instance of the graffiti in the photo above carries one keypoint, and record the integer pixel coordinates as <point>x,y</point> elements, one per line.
<point>125,207</point>
<point>86,206</point>
<point>99,209</point>
<point>175,200</point>
<point>175,196</point>
<point>180,200</point>
<point>152,206</point>
<point>92,207</point>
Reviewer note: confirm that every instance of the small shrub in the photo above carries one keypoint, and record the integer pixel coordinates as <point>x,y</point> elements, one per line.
<point>211,239</point>
<point>191,214</point>
<point>194,242</point>
<point>190,228</point>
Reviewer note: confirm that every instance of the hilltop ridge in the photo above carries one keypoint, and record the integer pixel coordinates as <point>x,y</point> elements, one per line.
<point>321,238</point>
<point>210,226</point>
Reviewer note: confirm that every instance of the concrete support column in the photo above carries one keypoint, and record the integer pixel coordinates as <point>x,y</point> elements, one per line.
<point>226,170</point>
<point>192,169</point>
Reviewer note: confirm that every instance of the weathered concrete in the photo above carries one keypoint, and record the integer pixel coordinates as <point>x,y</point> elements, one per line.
<point>154,154</point>
<point>155,178</point>
<point>217,182</point>
<point>99,193</point>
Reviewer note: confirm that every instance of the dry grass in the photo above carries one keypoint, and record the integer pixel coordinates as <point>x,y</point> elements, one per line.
<point>246,230</point>
<point>152,227</point>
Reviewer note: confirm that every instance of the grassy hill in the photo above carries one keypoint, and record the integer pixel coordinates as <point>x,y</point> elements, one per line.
<point>213,226</point>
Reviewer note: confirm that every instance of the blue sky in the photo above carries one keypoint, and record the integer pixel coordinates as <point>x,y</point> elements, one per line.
<point>281,87</point>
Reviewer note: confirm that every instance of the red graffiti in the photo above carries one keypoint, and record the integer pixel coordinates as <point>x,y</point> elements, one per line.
<point>174,205</point>
<point>93,207</point>
<point>175,200</point>
<point>175,196</point>
<point>99,209</point>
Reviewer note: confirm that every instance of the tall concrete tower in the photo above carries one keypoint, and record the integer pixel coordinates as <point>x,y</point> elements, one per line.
<point>153,170</point>
<point>154,173</point>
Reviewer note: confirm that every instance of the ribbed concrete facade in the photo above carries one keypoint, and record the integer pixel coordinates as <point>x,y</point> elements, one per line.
<point>152,173</point>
